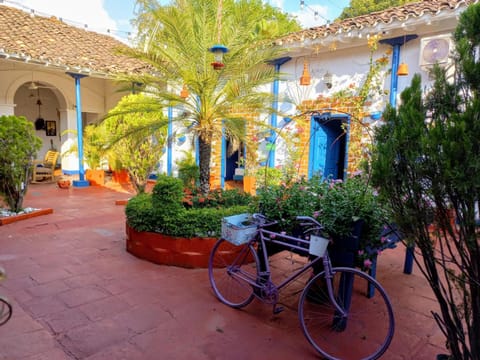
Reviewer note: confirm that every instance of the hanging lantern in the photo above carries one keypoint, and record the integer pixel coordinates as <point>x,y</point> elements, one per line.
<point>328,80</point>
<point>402,69</point>
<point>184,92</point>
<point>218,51</point>
<point>305,78</point>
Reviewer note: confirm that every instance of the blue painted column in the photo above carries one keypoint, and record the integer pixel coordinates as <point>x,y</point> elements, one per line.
<point>223,160</point>
<point>81,182</point>
<point>197,143</point>
<point>169,141</point>
<point>273,118</point>
<point>394,78</point>
<point>396,43</point>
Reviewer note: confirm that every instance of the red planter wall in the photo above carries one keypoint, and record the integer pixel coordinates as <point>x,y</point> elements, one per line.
<point>170,250</point>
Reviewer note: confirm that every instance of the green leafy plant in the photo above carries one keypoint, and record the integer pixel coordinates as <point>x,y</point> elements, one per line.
<point>188,170</point>
<point>427,161</point>
<point>93,148</point>
<point>337,205</point>
<point>189,29</point>
<point>18,148</point>
<point>164,212</point>
<point>217,198</point>
<point>266,176</point>
<point>135,132</point>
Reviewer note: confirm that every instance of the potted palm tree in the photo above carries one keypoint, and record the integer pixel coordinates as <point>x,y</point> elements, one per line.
<point>215,104</point>
<point>93,153</point>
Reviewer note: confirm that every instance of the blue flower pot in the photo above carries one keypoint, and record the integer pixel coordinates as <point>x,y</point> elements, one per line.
<point>343,250</point>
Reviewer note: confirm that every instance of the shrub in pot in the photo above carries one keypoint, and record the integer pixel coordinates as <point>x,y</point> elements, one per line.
<point>18,148</point>
<point>349,211</point>
<point>163,211</point>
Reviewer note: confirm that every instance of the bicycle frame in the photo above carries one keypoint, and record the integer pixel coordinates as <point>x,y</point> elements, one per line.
<point>332,307</point>
<point>289,243</point>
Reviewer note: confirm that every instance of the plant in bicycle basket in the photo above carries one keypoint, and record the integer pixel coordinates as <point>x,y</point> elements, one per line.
<point>337,205</point>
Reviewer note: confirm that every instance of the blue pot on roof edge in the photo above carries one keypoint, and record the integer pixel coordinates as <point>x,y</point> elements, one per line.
<point>376,115</point>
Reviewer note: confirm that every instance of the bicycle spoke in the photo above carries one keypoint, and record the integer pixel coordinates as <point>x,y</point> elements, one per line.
<point>5,311</point>
<point>231,269</point>
<point>364,333</point>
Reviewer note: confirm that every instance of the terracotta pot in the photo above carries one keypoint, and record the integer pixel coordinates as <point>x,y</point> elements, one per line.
<point>120,177</point>
<point>249,184</point>
<point>95,177</point>
<point>64,183</point>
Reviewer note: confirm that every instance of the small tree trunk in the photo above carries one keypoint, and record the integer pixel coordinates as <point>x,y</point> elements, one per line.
<point>205,150</point>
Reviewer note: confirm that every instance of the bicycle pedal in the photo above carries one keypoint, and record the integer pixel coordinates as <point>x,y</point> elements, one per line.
<point>277,309</point>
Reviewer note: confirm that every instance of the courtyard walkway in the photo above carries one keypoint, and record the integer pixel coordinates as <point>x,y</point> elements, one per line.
<point>77,294</point>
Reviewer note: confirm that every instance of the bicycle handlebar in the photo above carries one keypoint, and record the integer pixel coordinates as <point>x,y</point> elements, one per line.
<point>261,219</point>
<point>309,219</point>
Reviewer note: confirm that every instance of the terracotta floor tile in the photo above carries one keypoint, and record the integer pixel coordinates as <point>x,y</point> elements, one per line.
<point>78,294</point>
<point>49,275</point>
<point>41,306</point>
<point>104,308</point>
<point>87,340</point>
<point>63,321</point>
<point>29,344</point>
<point>82,295</point>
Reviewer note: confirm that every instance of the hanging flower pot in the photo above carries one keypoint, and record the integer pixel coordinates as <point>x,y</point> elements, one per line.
<point>217,65</point>
<point>218,51</point>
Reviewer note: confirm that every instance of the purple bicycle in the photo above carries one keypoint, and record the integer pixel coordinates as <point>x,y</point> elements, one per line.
<point>336,313</point>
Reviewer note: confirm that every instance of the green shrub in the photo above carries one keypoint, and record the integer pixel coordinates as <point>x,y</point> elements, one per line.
<point>188,170</point>
<point>18,148</point>
<point>163,212</point>
<point>337,205</point>
<point>139,212</point>
<point>135,134</point>
<point>284,202</point>
<point>215,198</point>
<point>205,222</point>
<point>267,176</point>
<point>168,191</point>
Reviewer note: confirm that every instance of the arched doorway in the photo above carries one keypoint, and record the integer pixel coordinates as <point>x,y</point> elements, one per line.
<point>38,102</point>
<point>328,145</point>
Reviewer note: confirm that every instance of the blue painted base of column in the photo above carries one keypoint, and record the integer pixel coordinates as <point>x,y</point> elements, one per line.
<point>409,259</point>
<point>70,172</point>
<point>81,183</point>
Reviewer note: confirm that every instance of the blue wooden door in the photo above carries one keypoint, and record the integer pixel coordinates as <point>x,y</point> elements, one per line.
<point>327,146</point>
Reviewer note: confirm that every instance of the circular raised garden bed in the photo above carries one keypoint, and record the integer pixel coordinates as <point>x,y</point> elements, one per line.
<point>171,250</point>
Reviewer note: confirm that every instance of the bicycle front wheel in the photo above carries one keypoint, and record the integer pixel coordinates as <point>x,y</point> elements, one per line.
<point>5,311</point>
<point>232,270</point>
<point>367,329</point>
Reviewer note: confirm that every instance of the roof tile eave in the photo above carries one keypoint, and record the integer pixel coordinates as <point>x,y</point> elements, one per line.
<point>378,18</point>
<point>50,40</point>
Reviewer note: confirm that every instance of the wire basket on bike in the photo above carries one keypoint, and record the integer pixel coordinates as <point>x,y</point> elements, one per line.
<point>238,229</point>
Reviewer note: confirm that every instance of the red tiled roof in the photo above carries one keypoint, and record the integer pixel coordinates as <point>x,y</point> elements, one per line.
<point>399,13</point>
<point>50,40</point>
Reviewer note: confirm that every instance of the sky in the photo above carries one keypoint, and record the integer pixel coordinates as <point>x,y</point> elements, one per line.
<point>115,15</point>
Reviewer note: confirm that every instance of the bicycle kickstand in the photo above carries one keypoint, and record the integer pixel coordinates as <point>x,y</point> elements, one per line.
<point>277,309</point>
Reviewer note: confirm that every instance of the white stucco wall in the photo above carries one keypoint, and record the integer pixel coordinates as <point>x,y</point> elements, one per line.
<point>58,97</point>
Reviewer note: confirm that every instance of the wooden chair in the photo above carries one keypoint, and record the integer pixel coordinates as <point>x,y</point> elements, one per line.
<point>45,169</point>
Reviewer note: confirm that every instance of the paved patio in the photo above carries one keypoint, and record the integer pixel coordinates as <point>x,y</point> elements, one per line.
<point>77,294</point>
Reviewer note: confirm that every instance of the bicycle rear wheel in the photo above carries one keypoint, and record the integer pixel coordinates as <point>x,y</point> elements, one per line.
<point>367,330</point>
<point>230,268</point>
<point>5,311</point>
